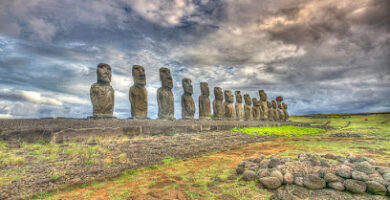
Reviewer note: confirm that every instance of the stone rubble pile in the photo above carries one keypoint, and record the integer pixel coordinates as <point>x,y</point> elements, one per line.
<point>352,173</point>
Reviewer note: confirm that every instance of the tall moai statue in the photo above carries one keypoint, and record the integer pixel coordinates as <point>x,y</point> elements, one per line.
<point>263,103</point>
<point>204,101</point>
<point>102,94</point>
<point>270,111</point>
<point>165,95</point>
<point>238,106</point>
<point>274,111</point>
<point>286,115</point>
<point>218,107</point>
<point>138,95</point>
<point>228,104</point>
<point>279,108</point>
<point>247,108</point>
<point>256,109</point>
<point>187,102</point>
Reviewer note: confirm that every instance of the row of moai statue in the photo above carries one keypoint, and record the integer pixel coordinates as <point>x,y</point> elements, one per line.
<point>102,97</point>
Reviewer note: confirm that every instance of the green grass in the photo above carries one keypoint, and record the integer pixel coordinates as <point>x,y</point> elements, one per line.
<point>286,131</point>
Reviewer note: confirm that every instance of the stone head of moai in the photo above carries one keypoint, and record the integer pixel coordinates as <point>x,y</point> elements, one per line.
<point>204,89</point>
<point>139,77</point>
<point>218,93</point>
<point>255,102</point>
<point>238,96</point>
<point>187,86</point>
<point>274,104</point>
<point>166,78</point>
<point>263,95</point>
<point>247,99</point>
<point>229,96</point>
<point>103,73</point>
<point>284,105</point>
<point>269,104</point>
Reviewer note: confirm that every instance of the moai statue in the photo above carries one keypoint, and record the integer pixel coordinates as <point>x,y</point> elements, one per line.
<point>238,106</point>
<point>270,111</point>
<point>274,111</point>
<point>187,102</point>
<point>247,108</point>
<point>204,101</point>
<point>228,105</point>
<point>279,108</point>
<point>165,95</point>
<point>255,109</point>
<point>263,103</point>
<point>102,94</point>
<point>138,95</point>
<point>218,107</point>
<point>286,115</point>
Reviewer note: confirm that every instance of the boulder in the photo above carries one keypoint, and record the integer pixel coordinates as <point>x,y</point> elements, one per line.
<point>263,173</point>
<point>330,156</point>
<point>364,167</point>
<point>330,178</point>
<point>344,173</point>
<point>249,175</point>
<point>298,181</point>
<point>383,170</point>
<point>277,174</point>
<point>274,162</point>
<point>341,159</point>
<point>314,182</point>
<point>288,178</point>
<point>376,188</point>
<point>381,181</point>
<point>240,170</point>
<point>270,182</point>
<point>386,176</point>
<point>360,176</point>
<point>337,186</point>
<point>355,186</point>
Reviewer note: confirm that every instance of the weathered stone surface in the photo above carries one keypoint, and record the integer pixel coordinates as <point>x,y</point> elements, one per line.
<point>187,102</point>
<point>204,101</point>
<point>314,182</point>
<point>102,94</point>
<point>138,95</point>
<point>270,111</point>
<point>360,176</point>
<point>165,96</point>
<point>228,105</point>
<point>329,178</point>
<point>382,170</point>
<point>298,181</point>
<point>218,107</point>
<point>376,188</point>
<point>337,186</point>
<point>365,167</point>
<point>355,186</point>
<point>279,108</point>
<point>386,176</point>
<point>249,175</point>
<point>274,111</point>
<point>255,109</point>
<point>270,182</point>
<point>277,174</point>
<point>239,110</point>
<point>263,104</point>
<point>274,162</point>
<point>247,108</point>
<point>240,170</point>
<point>288,178</point>
<point>285,107</point>
<point>344,173</point>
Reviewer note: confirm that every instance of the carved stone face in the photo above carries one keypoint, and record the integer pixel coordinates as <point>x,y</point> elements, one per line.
<point>255,102</point>
<point>139,75</point>
<point>269,105</point>
<point>284,105</point>
<point>263,95</point>
<point>186,82</point>
<point>218,93</point>
<point>204,89</point>
<point>166,78</point>
<point>103,73</point>
<point>238,96</point>
<point>229,96</point>
<point>273,104</point>
<point>247,99</point>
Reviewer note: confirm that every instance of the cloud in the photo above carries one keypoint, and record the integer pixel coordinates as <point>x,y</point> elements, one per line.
<point>29,96</point>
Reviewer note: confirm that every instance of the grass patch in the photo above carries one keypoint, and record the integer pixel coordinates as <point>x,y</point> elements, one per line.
<point>285,131</point>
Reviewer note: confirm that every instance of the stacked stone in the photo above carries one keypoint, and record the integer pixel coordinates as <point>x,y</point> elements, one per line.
<point>354,174</point>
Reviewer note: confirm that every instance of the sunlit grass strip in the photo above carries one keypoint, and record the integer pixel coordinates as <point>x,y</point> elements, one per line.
<point>286,131</point>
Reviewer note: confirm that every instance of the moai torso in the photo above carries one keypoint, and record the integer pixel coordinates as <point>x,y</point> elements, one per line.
<point>281,112</point>
<point>138,95</point>
<point>270,111</point>
<point>204,102</point>
<point>218,107</point>
<point>229,108</point>
<point>286,115</point>
<point>274,111</point>
<point>239,110</point>
<point>247,108</point>
<point>187,102</point>
<point>255,109</point>
<point>102,94</point>
<point>165,96</point>
<point>263,104</point>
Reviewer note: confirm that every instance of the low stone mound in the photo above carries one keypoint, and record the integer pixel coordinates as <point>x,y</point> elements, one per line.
<point>357,175</point>
<point>344,134</point>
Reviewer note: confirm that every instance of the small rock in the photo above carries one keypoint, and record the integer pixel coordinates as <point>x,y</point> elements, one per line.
<point>274,162</point>
<point>270,182</point>
<point>365,167</point>
<point>376,188</point>
<point>240,170</point>
<point>277,174</point>
<point>381,181</point>
<point>324,163</point>
<point>264,164</point>
<point>355,186</point>
<point>330,156</point>
<point>330,178</point>
<point>337,186</point>
<point>360,176</point>
<point>298,181</point>
<point>288,178</point>
<point>248,175</point>
<point>344,173</point>
<point>263,173</point>
<point>314,182</point>
<point>241,164</point>
<point>341,159</point>
<point>322,173</point>
<point>386,176</point>
<point>383,170</point>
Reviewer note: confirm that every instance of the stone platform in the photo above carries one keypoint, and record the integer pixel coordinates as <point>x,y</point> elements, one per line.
<point>60,130</point>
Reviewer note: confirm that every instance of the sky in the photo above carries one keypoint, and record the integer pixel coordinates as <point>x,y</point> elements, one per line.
<point>328,56</point>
